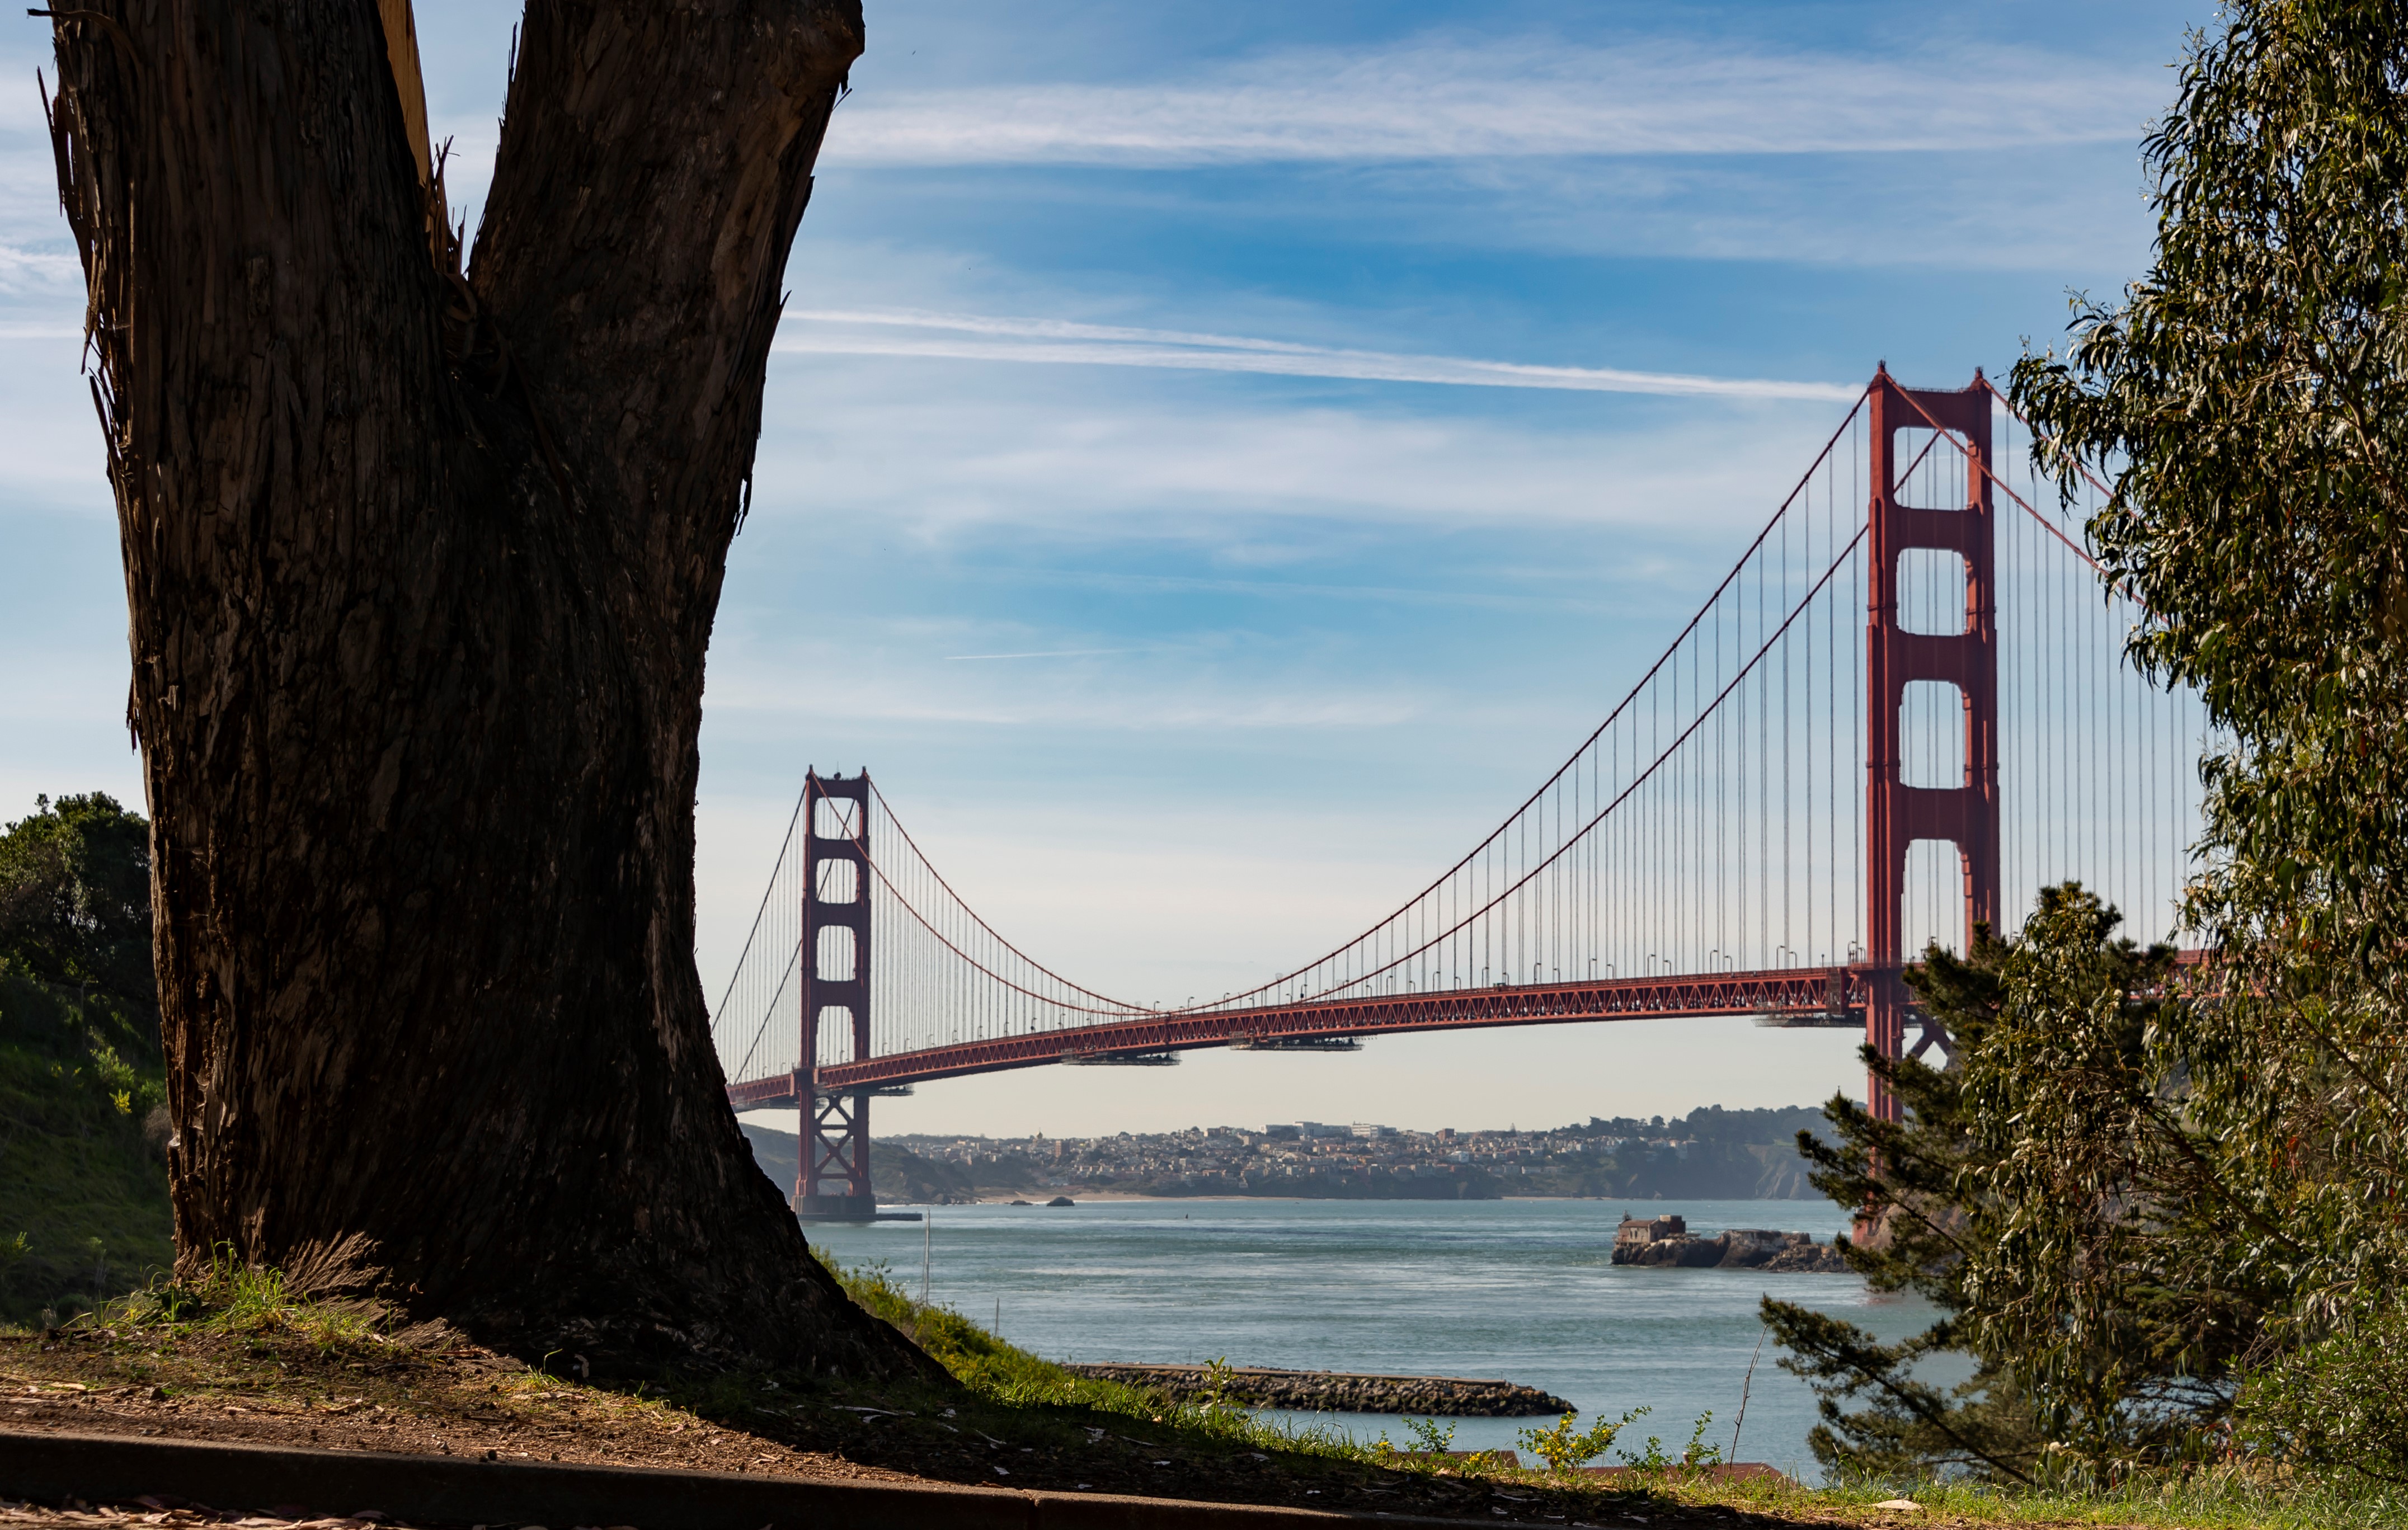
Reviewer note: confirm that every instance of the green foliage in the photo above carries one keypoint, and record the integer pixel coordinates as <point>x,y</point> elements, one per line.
<point>77,1165</point>
<point>2234,1495</point>
<point>2248,403</point>
<point>2054,1196</point>
<point>2136,1269</point>
<point>2248,399</point>
<point>2103,1274</point>
<point>1564,1449</point>
<point>83,1193</point>
<point>2338,1403</point>
<point>1428,1437</point>
<point>1698,1453</point>
<point>1216,1383</point>
<point>75,930</point>
<point>245,1301</point>
<point>235,1301</point>
<point>1903,1428</point>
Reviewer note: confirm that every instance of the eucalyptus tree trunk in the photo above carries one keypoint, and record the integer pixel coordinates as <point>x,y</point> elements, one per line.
<point>422,569</point>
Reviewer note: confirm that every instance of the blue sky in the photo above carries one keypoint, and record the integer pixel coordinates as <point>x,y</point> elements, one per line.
<point>1220,457</point>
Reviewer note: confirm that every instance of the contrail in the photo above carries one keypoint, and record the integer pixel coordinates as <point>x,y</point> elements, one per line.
<point>1060,342</point>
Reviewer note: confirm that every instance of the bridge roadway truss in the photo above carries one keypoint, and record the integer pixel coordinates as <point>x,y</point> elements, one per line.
<point>1792,997</point>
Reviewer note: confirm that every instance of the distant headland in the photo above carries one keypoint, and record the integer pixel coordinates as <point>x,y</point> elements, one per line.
<point>1708,1154</point>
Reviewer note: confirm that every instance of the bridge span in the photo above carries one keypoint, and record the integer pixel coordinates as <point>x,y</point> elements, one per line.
<point>1902,711</point>
<point>1791,998</point>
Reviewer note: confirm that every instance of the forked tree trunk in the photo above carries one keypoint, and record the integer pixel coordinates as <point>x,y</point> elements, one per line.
<point>421,576</point>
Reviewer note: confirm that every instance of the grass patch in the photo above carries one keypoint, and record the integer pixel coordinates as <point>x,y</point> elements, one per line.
<point>252,1304</point>
<point>2213,1498</point>
<point>83,1191</point>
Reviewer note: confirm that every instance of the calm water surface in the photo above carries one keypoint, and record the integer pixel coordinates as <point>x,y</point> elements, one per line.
<point>1522,1290</point>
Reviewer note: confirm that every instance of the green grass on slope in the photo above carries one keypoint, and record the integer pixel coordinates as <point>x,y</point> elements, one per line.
<point>83,1193</point>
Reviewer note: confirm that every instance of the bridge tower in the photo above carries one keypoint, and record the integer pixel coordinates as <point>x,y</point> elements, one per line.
<point>1897,814</point>
<point>832,1161</point>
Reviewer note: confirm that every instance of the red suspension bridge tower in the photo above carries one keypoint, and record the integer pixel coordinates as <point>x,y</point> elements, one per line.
<point>1896,815</point>
<point>832,1155</point>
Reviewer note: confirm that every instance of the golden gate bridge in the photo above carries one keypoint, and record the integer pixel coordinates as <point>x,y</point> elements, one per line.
<point>1791,800</point>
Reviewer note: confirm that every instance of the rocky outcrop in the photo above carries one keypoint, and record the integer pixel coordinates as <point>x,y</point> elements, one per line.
<point>1742,1248</point>
<point>1807,1259</point>
<point>1681,1252</point>
<point>1339,1392</point>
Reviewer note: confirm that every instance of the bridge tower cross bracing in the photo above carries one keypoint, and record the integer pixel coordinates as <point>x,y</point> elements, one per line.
<point>1897,814</point>
<point>832,1159</point>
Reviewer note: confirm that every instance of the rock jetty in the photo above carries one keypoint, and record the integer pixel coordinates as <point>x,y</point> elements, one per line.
<point>1667,1242</point>
<point>1341,1392</point>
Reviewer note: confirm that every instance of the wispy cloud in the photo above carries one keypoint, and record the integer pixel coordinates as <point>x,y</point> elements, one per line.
<point>1599,594</point>
<point>24,270</point>
<point>2077,212</point>
<point>861,332</point>
<point>1127,704</point>
<point>939,458</point>
<point>1050,653</point>
<point>1443,98</point>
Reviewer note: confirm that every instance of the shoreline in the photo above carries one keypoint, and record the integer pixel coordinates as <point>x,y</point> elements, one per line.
<point>1116,1195</point>
<point>1367,1393</point>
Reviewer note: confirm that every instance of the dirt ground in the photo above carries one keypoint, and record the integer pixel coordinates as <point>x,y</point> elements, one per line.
<point>82,1516</point>
<point>431,1392</point>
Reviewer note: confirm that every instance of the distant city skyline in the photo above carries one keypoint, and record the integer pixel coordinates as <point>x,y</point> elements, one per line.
<point>1217,461</point>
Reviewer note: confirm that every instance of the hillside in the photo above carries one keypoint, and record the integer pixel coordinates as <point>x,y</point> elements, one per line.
<point>1710,1154</point>
<point>898,1175</point>
<point>83,1184</point>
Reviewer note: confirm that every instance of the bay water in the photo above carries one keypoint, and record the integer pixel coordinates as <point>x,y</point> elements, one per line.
<point>1521,1289</point>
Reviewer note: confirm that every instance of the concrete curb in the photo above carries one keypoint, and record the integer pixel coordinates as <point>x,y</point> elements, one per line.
<point>435,1490</point>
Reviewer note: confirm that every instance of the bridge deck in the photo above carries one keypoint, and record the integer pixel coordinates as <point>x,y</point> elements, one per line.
<point>1831,994</point>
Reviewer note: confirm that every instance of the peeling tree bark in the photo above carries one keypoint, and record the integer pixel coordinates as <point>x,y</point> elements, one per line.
<point>422,574</point>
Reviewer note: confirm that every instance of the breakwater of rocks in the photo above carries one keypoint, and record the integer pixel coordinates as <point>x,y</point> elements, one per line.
<point>1339,1391</point>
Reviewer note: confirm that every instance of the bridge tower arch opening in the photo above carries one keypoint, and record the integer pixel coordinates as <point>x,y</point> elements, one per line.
<point>1920,436</point>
